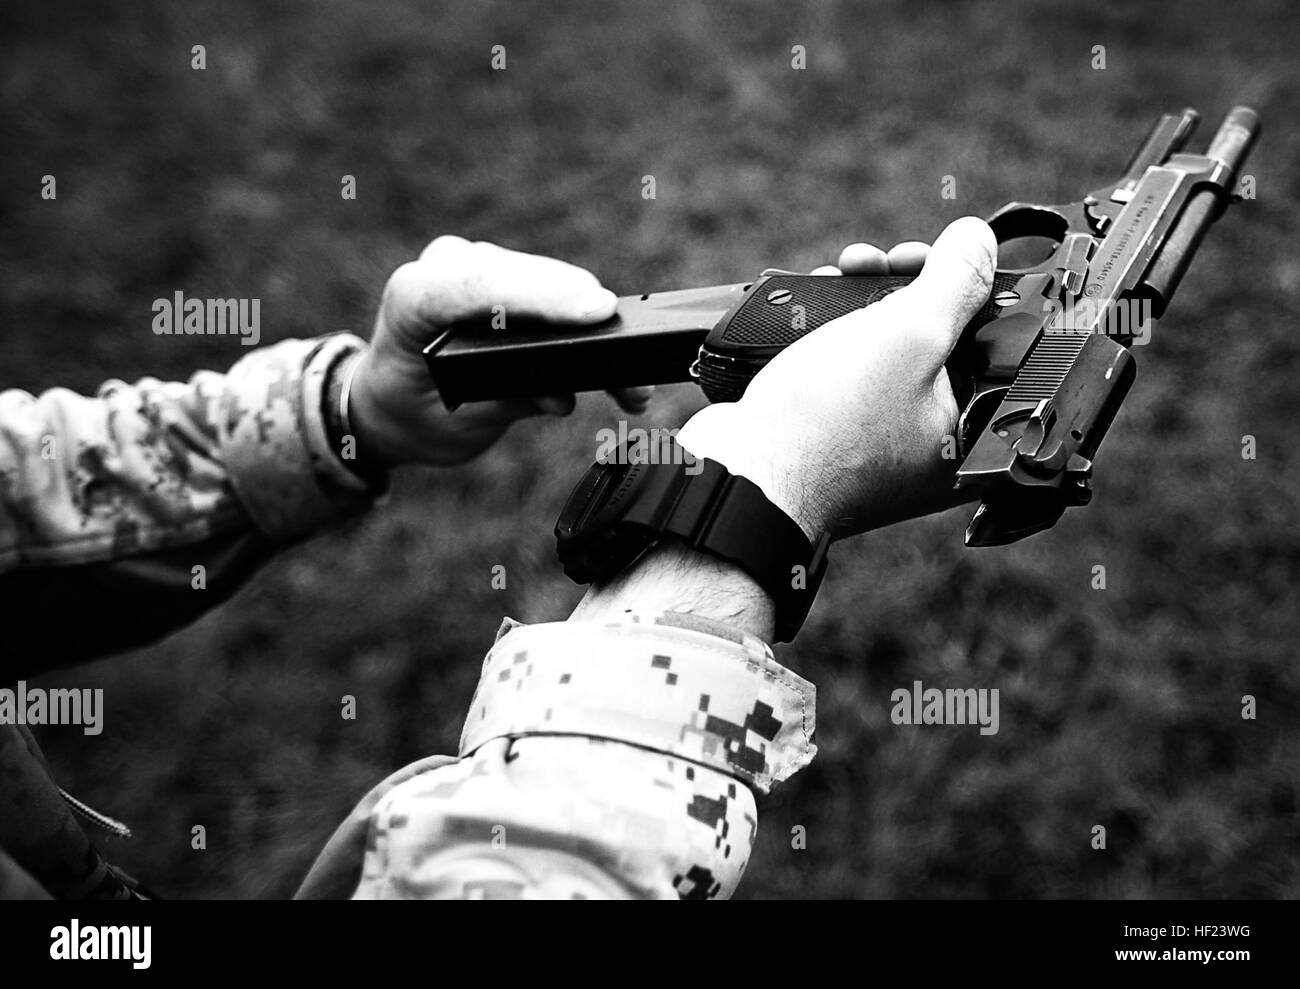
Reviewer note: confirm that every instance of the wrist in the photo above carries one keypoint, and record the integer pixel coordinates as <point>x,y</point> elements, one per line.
<point>673,577</point>
<point>342,409</point>
<point>723,433</point>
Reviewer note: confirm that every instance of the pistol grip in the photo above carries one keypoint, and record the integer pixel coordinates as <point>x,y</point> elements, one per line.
<point>782,307</point>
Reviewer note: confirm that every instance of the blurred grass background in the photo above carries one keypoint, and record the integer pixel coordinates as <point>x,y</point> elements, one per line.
<point>1118,707</point>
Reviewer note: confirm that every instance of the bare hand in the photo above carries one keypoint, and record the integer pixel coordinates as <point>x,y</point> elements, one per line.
<point>844,429</point>
<point>396,411</point>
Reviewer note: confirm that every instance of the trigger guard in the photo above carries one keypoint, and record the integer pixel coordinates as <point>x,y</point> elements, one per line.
<point>1027,220</point>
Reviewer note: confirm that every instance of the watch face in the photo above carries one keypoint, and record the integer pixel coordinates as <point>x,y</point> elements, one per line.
<point>594,537</point>
<point>585,501</point>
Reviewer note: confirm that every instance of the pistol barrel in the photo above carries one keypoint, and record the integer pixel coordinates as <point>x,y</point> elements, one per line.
<point>1230,145</point>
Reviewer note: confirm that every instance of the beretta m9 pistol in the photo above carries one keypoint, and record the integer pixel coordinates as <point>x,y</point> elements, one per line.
<point>1039,372</point>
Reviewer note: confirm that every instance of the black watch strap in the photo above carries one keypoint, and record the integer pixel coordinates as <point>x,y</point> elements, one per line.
<point>646,491</point>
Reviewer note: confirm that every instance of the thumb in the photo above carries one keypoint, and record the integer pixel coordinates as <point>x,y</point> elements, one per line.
<point>956,280</point>
<point>455,280</point>
<point>480,276</point>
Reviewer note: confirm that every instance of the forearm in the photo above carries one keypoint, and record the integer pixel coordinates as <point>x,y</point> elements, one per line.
<point>673,578</point>
<point>127,514</point>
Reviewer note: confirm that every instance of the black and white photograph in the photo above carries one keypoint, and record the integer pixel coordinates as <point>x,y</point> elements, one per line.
<point>802,451</point>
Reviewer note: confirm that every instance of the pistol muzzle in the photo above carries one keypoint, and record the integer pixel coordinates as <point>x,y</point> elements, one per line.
<point>1234,138</point>
<point>1230,145</point>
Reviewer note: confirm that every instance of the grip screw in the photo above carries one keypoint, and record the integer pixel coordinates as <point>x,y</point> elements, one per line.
<point>779,296</point>
<point>1007,297</point>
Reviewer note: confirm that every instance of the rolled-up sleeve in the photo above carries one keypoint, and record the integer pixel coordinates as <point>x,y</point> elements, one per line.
<point>599,760</point>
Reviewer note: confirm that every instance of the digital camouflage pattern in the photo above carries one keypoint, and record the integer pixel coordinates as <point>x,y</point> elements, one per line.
<point>157,464</point>
<point>114,499</point>
<point>597,760</point>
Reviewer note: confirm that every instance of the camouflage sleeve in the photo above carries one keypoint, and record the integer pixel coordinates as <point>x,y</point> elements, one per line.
<point>109,504</point>
<point>599,760</point>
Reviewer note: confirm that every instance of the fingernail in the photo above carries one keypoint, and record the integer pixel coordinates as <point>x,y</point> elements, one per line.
<point>598,301</point>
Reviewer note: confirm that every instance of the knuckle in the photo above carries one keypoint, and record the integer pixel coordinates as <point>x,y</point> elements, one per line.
<point>442,245</point>
<point>402,281</point>
<point>416,290</point>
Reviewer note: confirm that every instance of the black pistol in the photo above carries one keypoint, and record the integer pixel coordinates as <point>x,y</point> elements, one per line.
<point>1039,372</point>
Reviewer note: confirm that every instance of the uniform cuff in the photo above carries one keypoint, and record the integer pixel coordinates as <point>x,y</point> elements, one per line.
<point>697,690</point>
<point>274,443</point>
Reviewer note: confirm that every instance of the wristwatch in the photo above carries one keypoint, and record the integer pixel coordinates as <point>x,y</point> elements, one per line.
<point>645,491</point>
